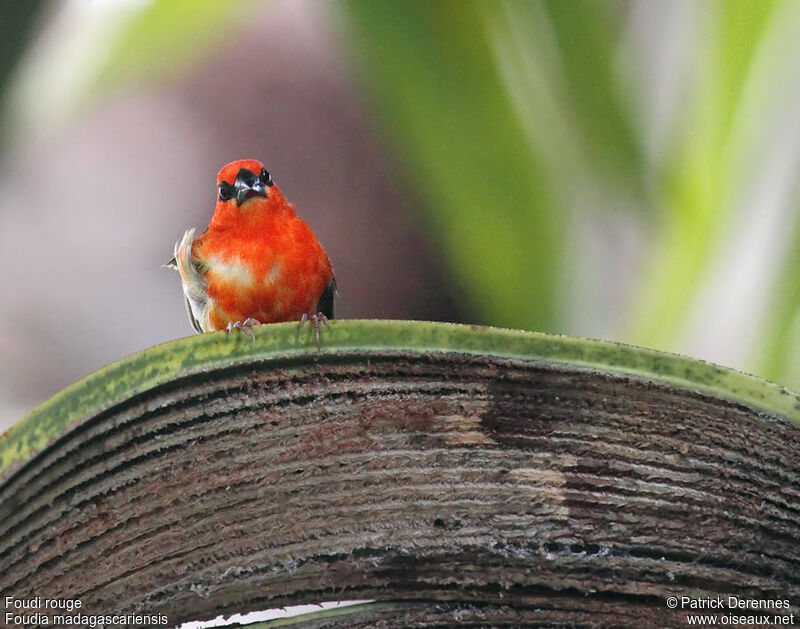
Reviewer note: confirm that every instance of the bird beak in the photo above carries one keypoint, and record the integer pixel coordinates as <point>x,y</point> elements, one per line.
<point>247,186</point>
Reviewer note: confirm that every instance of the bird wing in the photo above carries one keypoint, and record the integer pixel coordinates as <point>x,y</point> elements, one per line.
<point>195,323</point>
<point>327,301</point>
<point>194,286</point>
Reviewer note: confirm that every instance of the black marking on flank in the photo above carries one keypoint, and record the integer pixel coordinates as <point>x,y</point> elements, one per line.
<point>327,301</point>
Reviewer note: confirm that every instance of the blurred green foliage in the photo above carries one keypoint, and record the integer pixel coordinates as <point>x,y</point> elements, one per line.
<point>778,358</point>
<point>694,186</point>
<point>445,106</point>
<point>586,36</point>
<point>563,64</point>
<point>165,37</point>
<point>17,20</point>
<point>511,117</point>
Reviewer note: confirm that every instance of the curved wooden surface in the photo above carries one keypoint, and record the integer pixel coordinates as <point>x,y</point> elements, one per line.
<point>457,488</point>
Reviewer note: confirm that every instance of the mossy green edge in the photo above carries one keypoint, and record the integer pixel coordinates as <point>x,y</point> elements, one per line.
<point>207,352</point>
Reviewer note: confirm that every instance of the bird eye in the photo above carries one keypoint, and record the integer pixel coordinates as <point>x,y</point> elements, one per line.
<point>225,191</point>
<point>266,178</point>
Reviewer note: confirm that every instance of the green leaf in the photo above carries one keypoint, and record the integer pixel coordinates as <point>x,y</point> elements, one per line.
<point>166,36</point>
<point>17,22</point>
<point>285,344</point>
<point>779,358</point>
<point>443,103</point>
<point>697,184</point>
<point>587,35</point>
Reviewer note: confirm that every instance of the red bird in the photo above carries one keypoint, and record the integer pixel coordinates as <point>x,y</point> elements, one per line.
<point>257,262</point>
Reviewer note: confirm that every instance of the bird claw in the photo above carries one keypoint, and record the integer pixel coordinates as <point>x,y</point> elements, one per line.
<point>245,326</point>
<point>315,319</point>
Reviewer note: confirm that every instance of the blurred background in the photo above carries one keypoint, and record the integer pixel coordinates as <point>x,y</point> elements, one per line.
<point>619,170</point>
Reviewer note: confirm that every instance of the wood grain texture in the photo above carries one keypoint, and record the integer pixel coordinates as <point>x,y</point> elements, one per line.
<point>457,489</point>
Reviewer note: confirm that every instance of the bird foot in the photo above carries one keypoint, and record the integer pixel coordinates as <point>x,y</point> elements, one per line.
<point>316,319</point>
<point>245,326</point>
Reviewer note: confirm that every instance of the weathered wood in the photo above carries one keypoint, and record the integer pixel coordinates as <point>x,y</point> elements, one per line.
<point>458,489</point>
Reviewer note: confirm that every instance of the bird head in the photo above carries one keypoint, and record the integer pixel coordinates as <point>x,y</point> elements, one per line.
<point>241,181</point>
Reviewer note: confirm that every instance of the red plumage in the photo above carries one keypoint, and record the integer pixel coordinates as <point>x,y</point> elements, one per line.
<point>257,260</point>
